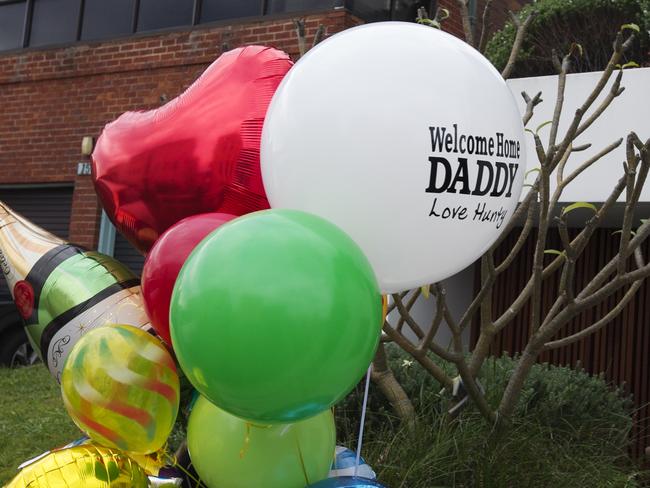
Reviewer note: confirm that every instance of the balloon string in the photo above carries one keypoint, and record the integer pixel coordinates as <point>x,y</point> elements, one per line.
<point>247,440</point>
<point>363,420</point>
<point>300,456</point>
<point>172,459</point>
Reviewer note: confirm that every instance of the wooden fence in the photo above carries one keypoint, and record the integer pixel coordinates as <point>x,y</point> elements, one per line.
<point>621,350</point>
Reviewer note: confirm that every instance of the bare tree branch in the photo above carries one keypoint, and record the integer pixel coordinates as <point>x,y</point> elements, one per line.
<point>484,297</point>
<point>433,330</point>
<point>519,39</point>
<point>390,387</point>
<point>409,306</point>
<point>485,26</point>
<point>614,92</point>
<point>566,289</point>
<point>301,35</point>
<point>611,315</point>
<point>466,318</point>
<point>596,157</point>
<point>435,348</point>
<point>393,305</point>
<point>547,330</point>
<point>531,103</point>
<point>559,100</point>
<point>620,46</point>
<point>579,242</point>
<point>630,177</point>
<point>592,294</point>
<point>559,173</point>
<point>321,32</point>
<point>469,381</point>
<point>474,393</point>
<point>517,216</point>
<point>634,185</point>
<point>439,15</point>
<point>424,360</point>
<point>299,25</point>
<point>516,382</point>
<point>468,29</point>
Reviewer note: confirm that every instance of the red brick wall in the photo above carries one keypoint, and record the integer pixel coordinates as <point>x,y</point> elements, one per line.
<point>84,218</point>
<point>497,17</point>
<point>50,99</point>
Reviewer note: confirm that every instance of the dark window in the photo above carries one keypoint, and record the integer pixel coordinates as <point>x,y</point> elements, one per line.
<point>12,19</point>
<point>407,10</point>
<point>158,14</point>
<point>212,10</point>
<point>47,207</point>
<point>279,6</point>
<point>126,254</point>
<point>371,10</point>
<point>54,21</point>
<point>104,18</point>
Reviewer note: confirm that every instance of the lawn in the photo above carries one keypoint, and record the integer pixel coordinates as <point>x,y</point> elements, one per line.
<point>32,419</point>
<point>571,431</point>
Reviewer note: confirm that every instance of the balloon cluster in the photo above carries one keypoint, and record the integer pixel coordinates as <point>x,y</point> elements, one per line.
<point>273,315</point>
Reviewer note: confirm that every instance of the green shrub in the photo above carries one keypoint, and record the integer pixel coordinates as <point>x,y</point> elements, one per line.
<point>591,23</point>
<point>569,429</point>
<point>558,397</point>
<point>561,397</point>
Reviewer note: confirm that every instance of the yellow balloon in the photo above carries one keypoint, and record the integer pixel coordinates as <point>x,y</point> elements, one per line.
<point>151,463</point>
<point>86,466</point>
<point>120,386</point>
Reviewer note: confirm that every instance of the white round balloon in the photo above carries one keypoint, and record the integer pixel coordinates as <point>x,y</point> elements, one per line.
<point>405,137</point>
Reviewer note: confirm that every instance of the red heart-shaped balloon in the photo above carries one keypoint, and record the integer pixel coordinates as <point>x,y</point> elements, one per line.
<point>199,153</point>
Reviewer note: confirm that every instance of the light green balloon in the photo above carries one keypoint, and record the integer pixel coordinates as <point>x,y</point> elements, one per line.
<point>228,452</point>
<point>276,316</point>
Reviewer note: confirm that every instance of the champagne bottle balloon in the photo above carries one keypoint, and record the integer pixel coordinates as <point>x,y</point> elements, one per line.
<point>62,290</point>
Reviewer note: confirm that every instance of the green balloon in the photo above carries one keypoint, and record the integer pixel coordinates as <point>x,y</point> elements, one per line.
<point>228,452</point>
<point>276,316</point>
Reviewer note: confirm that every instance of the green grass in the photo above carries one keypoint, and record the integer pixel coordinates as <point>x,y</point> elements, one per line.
<point>540,450</point>
<point>460,454</point>
<point>32,417</point>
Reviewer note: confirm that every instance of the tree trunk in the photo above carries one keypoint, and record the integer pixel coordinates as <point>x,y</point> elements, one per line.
<point>516,382</point>
<point>390,387</point>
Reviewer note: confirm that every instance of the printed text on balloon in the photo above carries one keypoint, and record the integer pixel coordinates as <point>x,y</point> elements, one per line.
<point>480,177</point>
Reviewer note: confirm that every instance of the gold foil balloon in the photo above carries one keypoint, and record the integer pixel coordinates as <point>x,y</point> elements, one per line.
<point>120,386</point>
<point>151,463</point>
<point>86,466</point>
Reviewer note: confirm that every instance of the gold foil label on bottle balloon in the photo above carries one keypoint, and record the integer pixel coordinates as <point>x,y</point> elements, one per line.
<point>123,307</point>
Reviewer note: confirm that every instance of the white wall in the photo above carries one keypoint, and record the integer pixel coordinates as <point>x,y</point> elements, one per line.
<point>630,111</point>
<point>460,291</point>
